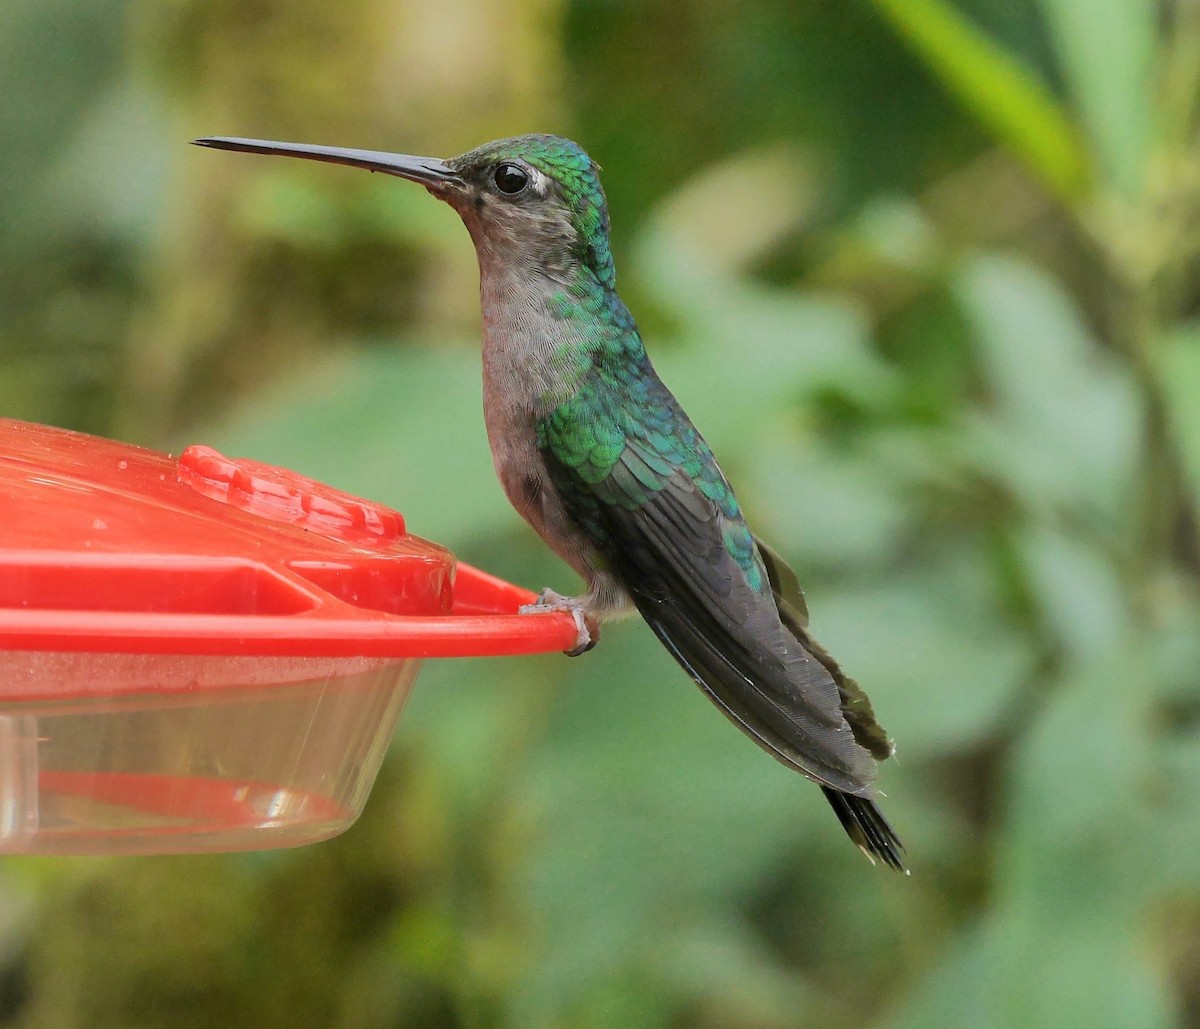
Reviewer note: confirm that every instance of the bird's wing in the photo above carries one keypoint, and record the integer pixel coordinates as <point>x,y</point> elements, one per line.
<point>793,611</point>
<point>785,584</point>
<point>644,486</point>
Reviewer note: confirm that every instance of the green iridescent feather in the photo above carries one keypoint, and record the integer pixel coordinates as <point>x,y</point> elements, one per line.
<point>621,437</point>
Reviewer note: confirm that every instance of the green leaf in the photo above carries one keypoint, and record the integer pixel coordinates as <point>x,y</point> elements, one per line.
<point>1065,425</point>
<point>824,507</point>
<point>692,240</point>
<point>930,648</point>
<point>1012,973</point>
<point>1077,840</point>
<point>1062,941</point>
<point>1107,50</point>
<point>765,346</point>
<point>1001,92</point>
<point>1078,593</point>
<point>752,352</point>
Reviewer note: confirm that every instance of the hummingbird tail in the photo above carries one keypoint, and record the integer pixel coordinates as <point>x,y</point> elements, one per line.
<point>865,825</point>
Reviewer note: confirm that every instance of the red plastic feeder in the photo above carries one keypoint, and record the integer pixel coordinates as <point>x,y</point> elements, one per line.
<point>209,654</point>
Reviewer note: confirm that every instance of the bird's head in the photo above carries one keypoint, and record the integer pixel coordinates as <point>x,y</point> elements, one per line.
<point>524,199</point>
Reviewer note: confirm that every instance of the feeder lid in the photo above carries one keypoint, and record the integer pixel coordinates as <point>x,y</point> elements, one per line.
<point>110,547</point>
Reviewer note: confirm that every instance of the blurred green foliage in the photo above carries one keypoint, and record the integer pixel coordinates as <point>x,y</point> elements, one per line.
<point>924,272</point>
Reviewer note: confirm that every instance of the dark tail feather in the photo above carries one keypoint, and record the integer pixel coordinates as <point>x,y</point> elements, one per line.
<point>865,825</point>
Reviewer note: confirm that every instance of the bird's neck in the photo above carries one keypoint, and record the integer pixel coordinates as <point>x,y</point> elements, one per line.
<point>547,330</point>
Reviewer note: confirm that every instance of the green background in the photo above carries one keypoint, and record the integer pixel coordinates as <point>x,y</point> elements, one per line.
<point>924,273</point>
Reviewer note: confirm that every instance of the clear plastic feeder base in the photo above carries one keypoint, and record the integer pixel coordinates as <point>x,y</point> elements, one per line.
<point>249,753</point>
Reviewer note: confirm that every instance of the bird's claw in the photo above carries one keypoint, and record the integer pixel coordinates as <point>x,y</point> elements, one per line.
<point>587,630</point>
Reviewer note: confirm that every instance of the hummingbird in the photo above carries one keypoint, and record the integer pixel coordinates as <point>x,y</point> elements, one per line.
<point>597,455</point>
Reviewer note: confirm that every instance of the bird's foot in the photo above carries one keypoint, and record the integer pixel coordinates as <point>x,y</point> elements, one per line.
<point>587,627</point>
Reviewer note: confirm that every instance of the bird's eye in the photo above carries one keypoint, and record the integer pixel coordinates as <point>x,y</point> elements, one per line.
<point>510,178</point>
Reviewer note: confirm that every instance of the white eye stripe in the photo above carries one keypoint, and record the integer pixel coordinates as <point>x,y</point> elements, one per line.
<point>537,181</point>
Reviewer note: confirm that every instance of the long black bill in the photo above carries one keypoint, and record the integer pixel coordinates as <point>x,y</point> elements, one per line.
<point>427,170</point>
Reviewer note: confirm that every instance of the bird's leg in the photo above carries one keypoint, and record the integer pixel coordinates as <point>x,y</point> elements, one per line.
<point>587,626</point>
